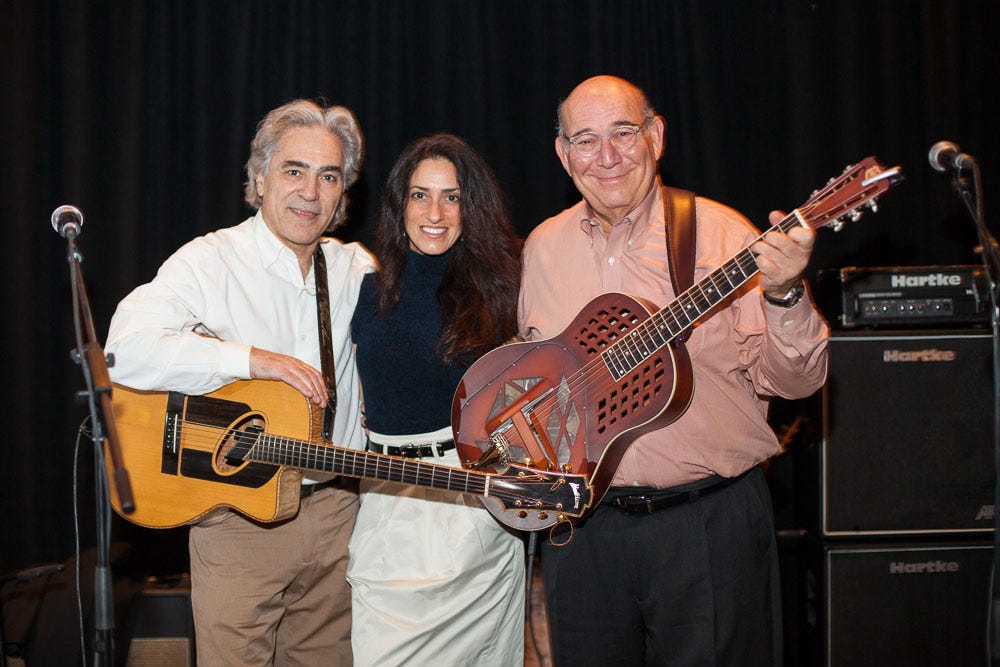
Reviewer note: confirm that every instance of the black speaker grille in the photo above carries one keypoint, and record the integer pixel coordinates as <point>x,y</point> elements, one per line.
<point>907,434</point>
<point>907,604</point>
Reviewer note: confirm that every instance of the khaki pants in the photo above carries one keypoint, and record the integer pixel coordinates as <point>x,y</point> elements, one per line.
<point>276,593</point>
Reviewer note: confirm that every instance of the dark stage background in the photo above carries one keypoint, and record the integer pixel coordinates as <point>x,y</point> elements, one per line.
<point>140,113</point>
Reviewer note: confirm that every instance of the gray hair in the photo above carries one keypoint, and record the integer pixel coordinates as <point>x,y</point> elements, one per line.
<point>339,121</point>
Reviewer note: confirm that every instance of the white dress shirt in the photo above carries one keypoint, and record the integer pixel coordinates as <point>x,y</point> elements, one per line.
<point>191,328</point>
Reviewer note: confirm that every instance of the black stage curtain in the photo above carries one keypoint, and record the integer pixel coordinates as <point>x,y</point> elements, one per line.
<point>140,114</point>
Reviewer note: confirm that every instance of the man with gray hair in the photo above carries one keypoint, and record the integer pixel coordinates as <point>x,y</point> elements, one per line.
<point>240,303</point>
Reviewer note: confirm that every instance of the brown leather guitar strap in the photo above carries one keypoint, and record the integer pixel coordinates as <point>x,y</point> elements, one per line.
<point>679,218</point>
<point>325,341</point>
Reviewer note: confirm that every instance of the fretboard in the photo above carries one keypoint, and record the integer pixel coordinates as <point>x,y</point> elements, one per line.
<point>355,463</point>
<point>635,347</point>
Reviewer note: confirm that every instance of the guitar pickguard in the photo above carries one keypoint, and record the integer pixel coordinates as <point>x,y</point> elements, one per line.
<point>225,419</point>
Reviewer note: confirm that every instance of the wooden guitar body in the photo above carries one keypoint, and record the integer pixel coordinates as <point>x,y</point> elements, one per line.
<point>191,459</point>
<point>557,404</point>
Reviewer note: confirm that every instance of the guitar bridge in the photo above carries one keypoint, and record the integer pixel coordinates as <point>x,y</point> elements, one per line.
<point>172,423</point>
<point>531,434</point>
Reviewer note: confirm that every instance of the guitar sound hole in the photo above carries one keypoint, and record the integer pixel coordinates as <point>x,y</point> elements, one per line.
<point>634,394</point>
<point>604,329</point>
<point>238,432</point>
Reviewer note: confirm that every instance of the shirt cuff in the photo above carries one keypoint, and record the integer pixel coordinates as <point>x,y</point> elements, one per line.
<point>781,319</point>
<point>234,360</point>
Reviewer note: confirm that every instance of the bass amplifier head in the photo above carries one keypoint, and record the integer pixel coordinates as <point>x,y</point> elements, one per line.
<point>904,296</point>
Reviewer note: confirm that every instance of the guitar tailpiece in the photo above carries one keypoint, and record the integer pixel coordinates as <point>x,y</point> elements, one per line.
<point>502,448</point>
<point>498,455</point>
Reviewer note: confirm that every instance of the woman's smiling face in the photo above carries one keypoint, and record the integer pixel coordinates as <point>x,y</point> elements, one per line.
<point>433,207</point>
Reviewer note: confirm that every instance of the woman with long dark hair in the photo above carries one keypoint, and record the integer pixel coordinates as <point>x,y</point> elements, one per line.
<point>435,579</point>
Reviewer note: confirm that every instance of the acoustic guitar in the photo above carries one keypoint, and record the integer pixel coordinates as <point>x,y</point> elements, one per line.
<point>575,402</point>
<point>245,446</point>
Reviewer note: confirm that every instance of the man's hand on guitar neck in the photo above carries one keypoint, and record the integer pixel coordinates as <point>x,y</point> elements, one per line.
<point>782,258</point>
<point>265,365</point>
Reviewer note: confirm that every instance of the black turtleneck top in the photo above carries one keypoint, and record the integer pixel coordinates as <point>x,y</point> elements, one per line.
<point>407,388</point>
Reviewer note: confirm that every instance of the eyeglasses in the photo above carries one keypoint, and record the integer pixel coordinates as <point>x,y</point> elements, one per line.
<point>622,138</point>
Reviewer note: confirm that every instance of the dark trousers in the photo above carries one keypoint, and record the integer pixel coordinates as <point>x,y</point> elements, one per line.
<point>695,584</point>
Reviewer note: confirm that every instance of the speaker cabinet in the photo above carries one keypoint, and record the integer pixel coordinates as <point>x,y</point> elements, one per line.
<point>912,604</point>
<point>906,445</point>
<point>161,626</point>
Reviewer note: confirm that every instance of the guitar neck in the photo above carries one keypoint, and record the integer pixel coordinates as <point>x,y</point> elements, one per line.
<point>676,317</point>
<point>356,463</point>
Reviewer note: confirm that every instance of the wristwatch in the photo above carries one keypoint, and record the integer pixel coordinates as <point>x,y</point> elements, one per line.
<point>793,297</point>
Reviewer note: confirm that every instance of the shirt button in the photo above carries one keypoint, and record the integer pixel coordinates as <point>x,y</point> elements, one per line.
<point>787,323</point>
<point>611,260</point>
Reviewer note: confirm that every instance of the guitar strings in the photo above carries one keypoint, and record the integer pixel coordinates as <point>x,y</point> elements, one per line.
<point>313,456</point>
<point>275,449</point>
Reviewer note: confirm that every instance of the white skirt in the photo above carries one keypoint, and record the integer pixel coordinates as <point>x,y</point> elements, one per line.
<point>435,579</point>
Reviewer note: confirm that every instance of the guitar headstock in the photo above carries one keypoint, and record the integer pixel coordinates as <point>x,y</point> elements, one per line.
<point>529,499</point>
<point>845,197</point>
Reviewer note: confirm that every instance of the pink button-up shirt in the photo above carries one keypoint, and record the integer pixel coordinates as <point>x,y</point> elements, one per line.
<point>742,353</point>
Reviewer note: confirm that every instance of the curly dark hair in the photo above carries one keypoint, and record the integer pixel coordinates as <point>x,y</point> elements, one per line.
<point>478,294</point>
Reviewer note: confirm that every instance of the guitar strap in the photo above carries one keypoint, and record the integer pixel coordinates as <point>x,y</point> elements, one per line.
<point>679,216</point>
<point>325,340</point>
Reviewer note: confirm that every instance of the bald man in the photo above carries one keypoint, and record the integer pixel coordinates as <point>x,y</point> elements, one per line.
<point>678,564</point>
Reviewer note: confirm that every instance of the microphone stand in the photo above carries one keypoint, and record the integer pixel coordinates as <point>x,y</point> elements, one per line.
<point>90,356</point>
<point>971,194</point>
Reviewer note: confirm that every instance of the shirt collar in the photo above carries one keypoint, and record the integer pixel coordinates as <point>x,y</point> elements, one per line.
<point>271,249</point>
<point>275,254</point>
<point>638,217</point>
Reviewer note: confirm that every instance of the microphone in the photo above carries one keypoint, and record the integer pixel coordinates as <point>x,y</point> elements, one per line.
<point>67,220</point>
<point>945,155</point>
